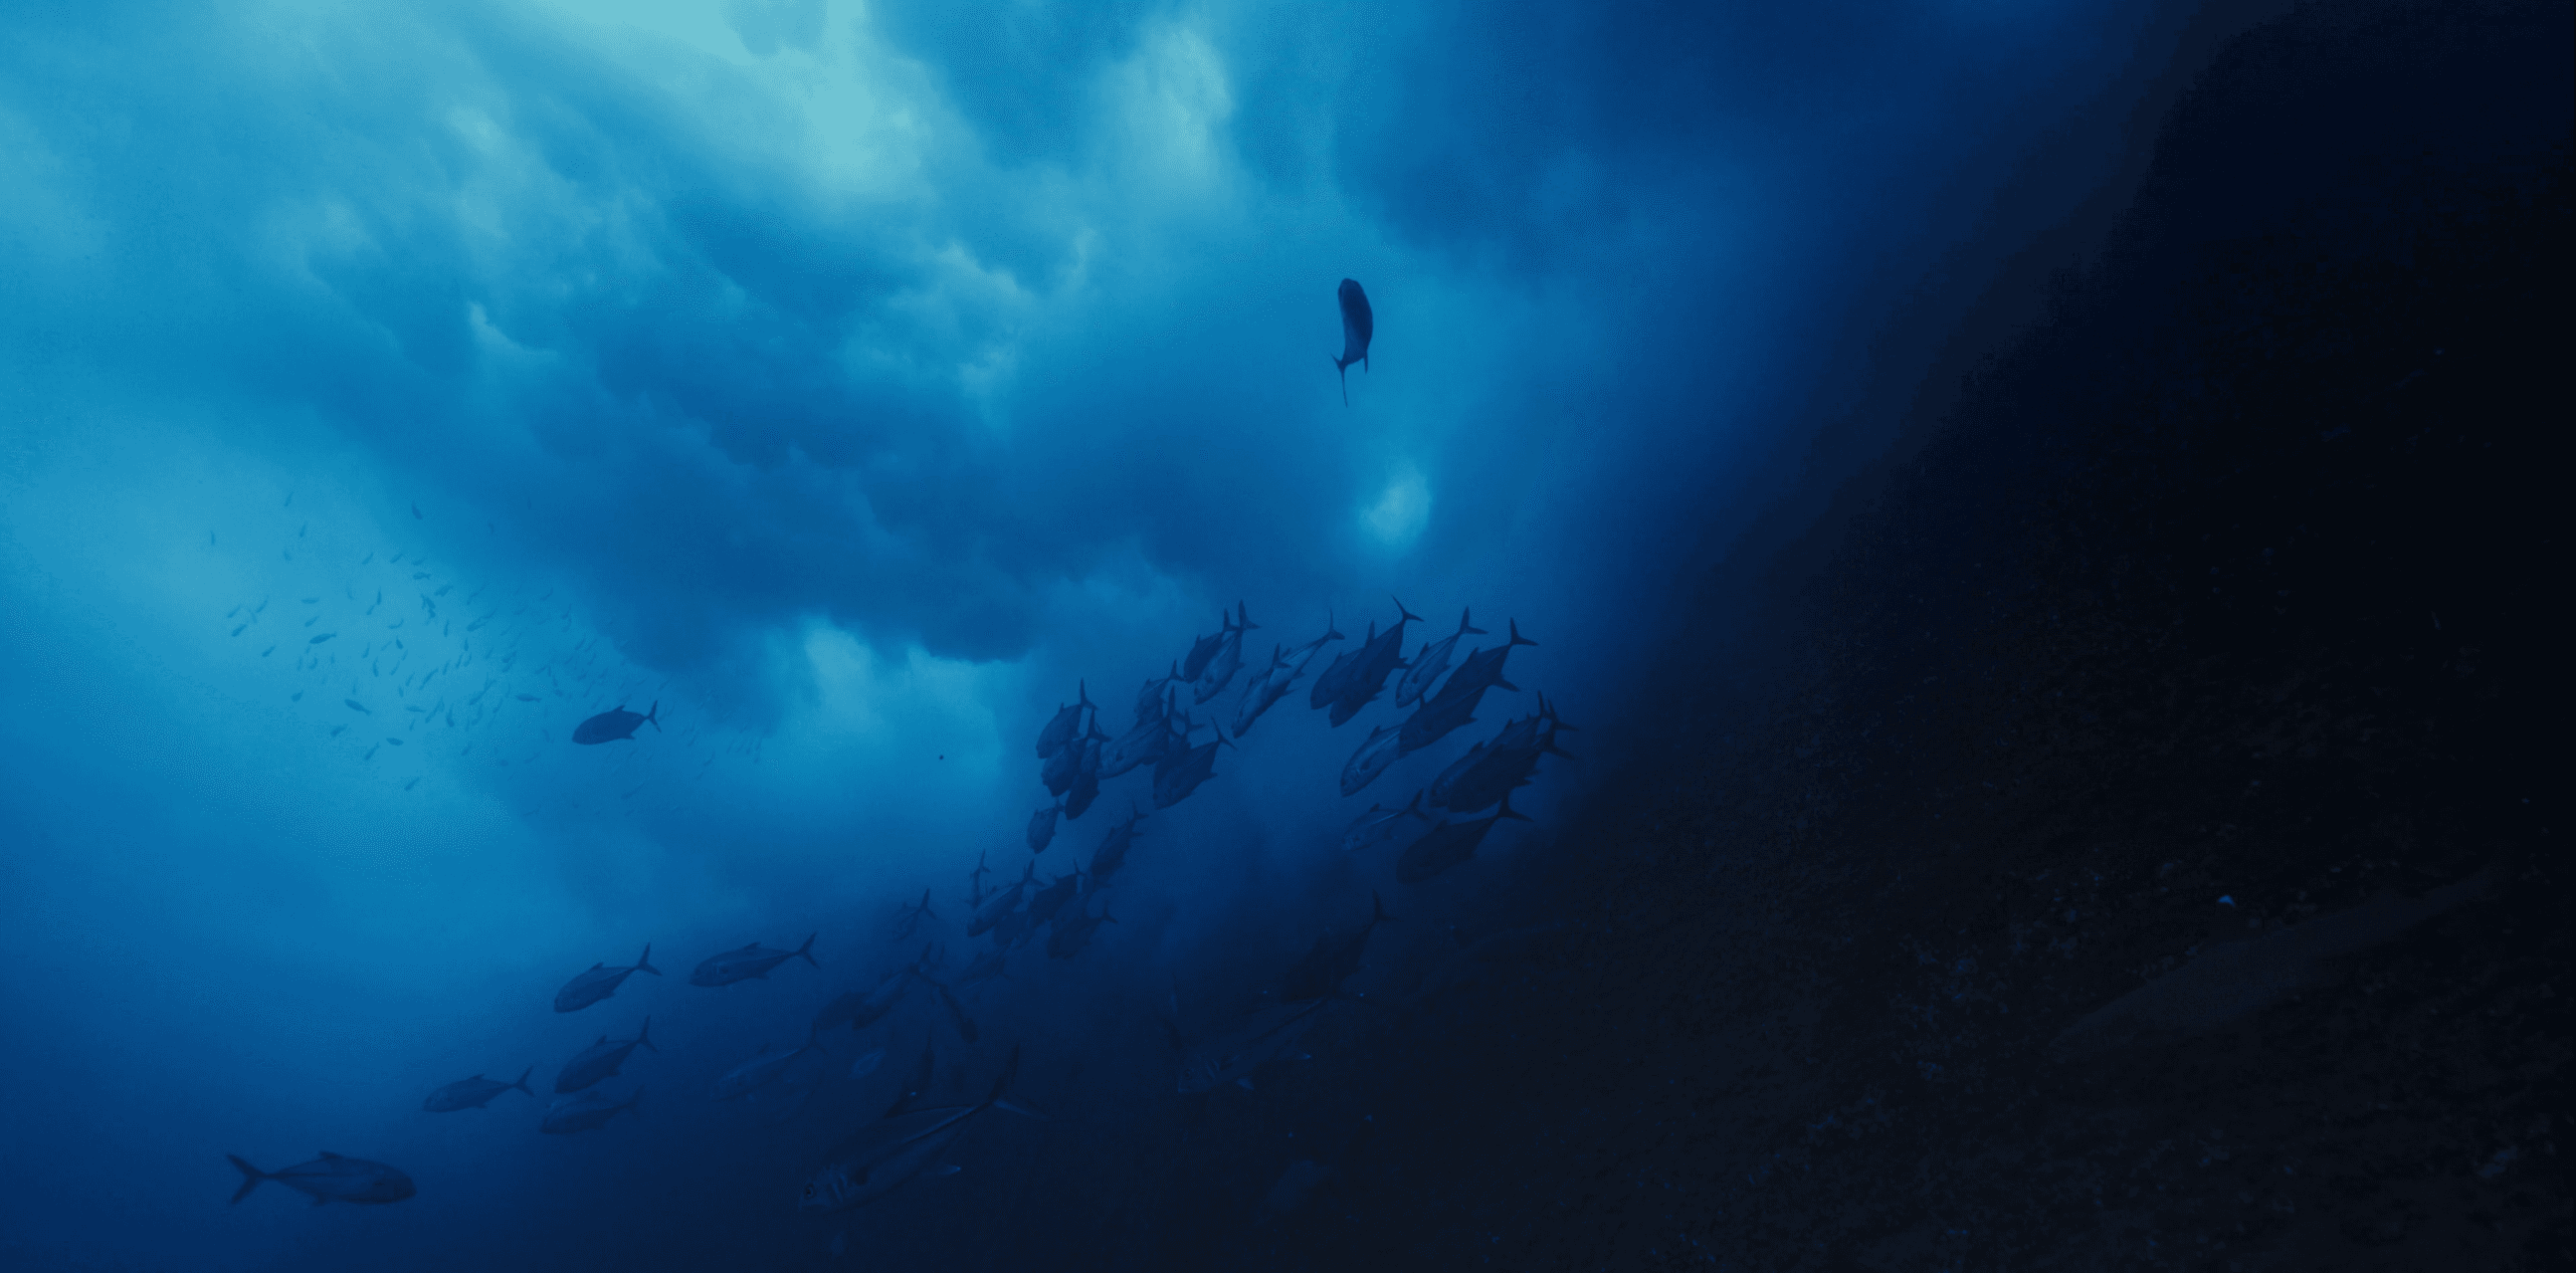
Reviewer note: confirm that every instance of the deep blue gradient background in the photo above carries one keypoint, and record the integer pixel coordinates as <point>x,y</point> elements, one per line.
<point>853,380</point>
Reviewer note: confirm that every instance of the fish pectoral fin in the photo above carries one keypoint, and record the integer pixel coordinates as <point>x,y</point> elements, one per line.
<point>946,1169</point>
<point>1245,1084</point>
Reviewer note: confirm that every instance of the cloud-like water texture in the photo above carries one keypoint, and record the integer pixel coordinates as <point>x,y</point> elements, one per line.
<point>851,381</point>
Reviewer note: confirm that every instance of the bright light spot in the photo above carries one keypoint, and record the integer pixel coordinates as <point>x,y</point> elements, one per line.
<point>1402,510</point>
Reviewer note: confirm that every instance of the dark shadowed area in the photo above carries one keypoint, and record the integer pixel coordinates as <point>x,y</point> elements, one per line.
<point>2034,523</point>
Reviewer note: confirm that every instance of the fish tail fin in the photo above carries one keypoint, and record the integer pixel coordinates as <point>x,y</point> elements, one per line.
<point>1338,365</point>
<point>1414,806</point>
<point>1508,812</point>
<point>522,1084</point>
<point>635,1103</point>
<point>1517,638</point>
<point>1400,610</point>
<point>1463,626</point>
<point>1332,633</point>
<point>645,1035</point>
<point>644,962</point>
<point>251,1176</point>
<point>1010,1070</point>
<point>1506,685</point>
<point>1243,618</point>
<point>806,951</point>
<point>652,714</point>
<point>1380,916</point>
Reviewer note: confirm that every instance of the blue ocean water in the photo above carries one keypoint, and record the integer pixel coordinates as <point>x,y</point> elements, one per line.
<point>385,393</point>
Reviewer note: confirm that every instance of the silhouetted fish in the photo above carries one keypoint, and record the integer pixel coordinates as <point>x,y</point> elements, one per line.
<point>1112,852</point>
<point>600,982</point>
<point>586,1112</point>
<point>474,1093</point>
<point>614,724</point>
<point>889,1152</point>
<point>747,963</point>
<point>1066,723</point>
<point>1448,844</point>
<point>601,1059</point>
<point>1378,824</point>
<point>1358,326</point>
<point>331,1178</point>
<point>1430,663</point>
<point>1372,759</point>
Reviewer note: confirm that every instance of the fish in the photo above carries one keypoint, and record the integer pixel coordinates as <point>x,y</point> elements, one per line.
<point>1372,759</point>
<point>1002,902</point>
<point>1329,963</point>
<point>1448,844</point>
<point>1219,672</point>
<point>1490,770</point>
<point>861,1009</point>
<point>1060,770</point>
<point>1359,324</point>
<point>336,730</point>
<point>1365,678</point>
<point>586,1111</point>
<point>600,982</point>
<point>1149,699</point>
<point>1443,715</point>
<point>987,966</point>
<point>913,915</point>
<point>2228,981</point>
<point>1431,662</point>
<point>1377,825</point>
<point>1483,669</point>
<point>1187,770</point>
<point>526,698</point>
<point>1203,650</point>
<point>614,724</point>
<point>415,512</point>
<point>887,1154</point>
<point>238,631</point>
<point>601,1059</point>
<point>331,1178</point>
<point>762,1069</point>
<point>1328,687</point>
<point>1062,729</point>
<point>1149,740</point>
<point>1266,689</point>
<point>867,1063</point>
<point>1112,852</point>
<point>1086,780</point>
<point>474,1093</point>
<point>956,1013</point>
<point>1068,940</point>
<point>1232,1057</point>
<point>1049,900</point>
<point>747,963</point>
<point>269,651</point>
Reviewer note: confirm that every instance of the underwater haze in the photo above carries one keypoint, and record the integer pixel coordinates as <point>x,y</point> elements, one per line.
<point>841,391</point>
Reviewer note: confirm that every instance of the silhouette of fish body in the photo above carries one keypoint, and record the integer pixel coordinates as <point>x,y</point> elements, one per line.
<point>1359,324</point>
<point>614,724</point>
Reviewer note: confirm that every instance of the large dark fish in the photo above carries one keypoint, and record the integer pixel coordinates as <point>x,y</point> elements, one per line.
<point>586,1111</point>
<point>1330,963</point>
<point>882,1156</point>
<point>1112,852</point>
<point>913,915</point>
<point>474,1093</point>
<point>1437,718</point>
<point>750,961</point>
<point>1052,898</point>
<point>1430,663</point>
<point>861,1009</point>
<point>1174,783</point>
<point>1086,780</point>
<point>1065,725</point>
<point>331,1178</point>
<point>1003,901</point>
<point>1205,648</point>
<point>601,1059</point>
<point>1367,674</point>
<point>614,724</point>
<point>1483,669</point>
<point>1358,325</point>
<point>1219,672</point>
<point>1232,1057</point>
<point>1379,824</point>
<point>1061,769</point>
<point>1380,751</point>
<point>1447,845</point>
<point>1068,939</point>
<point>600,982</point>
<point>1491,770</point>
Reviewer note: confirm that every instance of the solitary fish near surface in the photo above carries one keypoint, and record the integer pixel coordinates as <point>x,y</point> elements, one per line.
<point>1358,325</point>
<point>614,724</point>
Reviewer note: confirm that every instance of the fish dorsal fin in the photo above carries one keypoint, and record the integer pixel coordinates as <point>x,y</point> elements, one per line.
<point>602,1039</point>
<point>328,1154</point>
<point>597,967</point>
